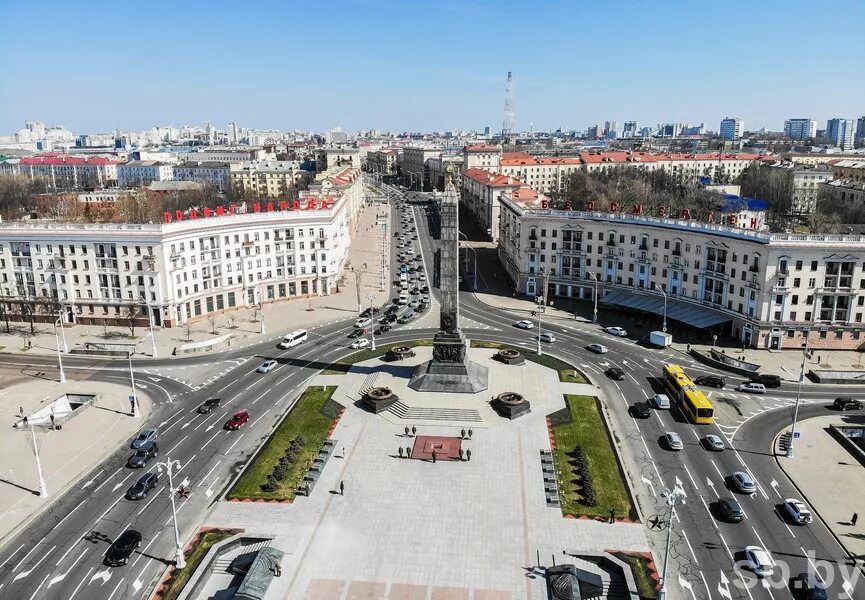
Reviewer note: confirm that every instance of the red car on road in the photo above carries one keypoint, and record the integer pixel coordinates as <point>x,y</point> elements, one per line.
<point>237,421</point>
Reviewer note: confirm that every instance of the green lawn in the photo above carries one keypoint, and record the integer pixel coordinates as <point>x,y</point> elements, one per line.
<point>181,576</point>
<point>344,364</point>
<point>588,430</point>
<point>306,419</point>
<point>642,576</point>
<point>567,373</point>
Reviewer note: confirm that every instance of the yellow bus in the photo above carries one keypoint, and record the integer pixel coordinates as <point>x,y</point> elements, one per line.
<point>693,402</point>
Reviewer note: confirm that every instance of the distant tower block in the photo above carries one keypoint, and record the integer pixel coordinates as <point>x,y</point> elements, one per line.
<point>508,122</point>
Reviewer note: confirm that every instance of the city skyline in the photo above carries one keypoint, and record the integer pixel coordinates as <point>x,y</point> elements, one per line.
<point>368,67</point>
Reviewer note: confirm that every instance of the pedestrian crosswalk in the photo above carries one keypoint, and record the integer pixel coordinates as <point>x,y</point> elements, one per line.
<point>747,407</point>
<point>196,377</point>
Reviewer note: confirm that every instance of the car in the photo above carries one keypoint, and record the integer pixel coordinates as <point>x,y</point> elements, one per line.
<point>144,436</point>
<point>122,548</point>
<point>714,381</point>
<point>358,332</point>
<point>406,317</point>
<point>425,299</point>
<point>267,366</point>
<point>673,440</point>
<point>425,289</point>
<point>846,403</point>
<point>140,489</point>
<point>731,510</point>
<point>208,406</point>
<point>415,292</point>
<point>661,401</point>
<point>744,483</point>
<point>420,268</point>
<point>143,455</point>
<point>359,343</point>
<point>770,381</point>
<point>368,313</point>
<point>383,328</point>
<point>414,303</point>
<point>714,443</point>
<point>388,318</point>
<point>617,331</point>
<point>759,561</point>
<point>363,322</point>
<point>798,512</point>
<point>524,324</point>
<point>597,348</point>
<point>412,270</point>
<point>549,338</point>
<point>411,251</point>
<point>639,410</point>
<point>422,277</point>
<point>237,420</point>
<point>615,373</point>
<point>751,388</point>
<point>808,586</point>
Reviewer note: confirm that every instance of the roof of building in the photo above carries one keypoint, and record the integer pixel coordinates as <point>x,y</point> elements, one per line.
<point>203,165</point>
<point>482,148</point>
<point>146,163</point>
<point>734,203</point>
<point>847,163</point>
<point>517,159</point>
<point>491,179</point>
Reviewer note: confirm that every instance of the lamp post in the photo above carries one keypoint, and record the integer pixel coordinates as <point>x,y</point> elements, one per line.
<point>43,491</point>
<point>807,334</point>
<point>62,331</point>
<point>672,499</point>
<point>357,275</point>
<point>169,465</point>
<point>371,297</point>
<point>660,288</point>
<point>595,311</point>
<point>475,269</point>
<point>542,300</point>
<point>150,263</point>
<point>59,356</point>
<point>135,412</point>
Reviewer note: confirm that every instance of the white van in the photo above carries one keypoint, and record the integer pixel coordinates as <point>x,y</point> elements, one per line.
<point>294,338</point>
<point>403,298</point>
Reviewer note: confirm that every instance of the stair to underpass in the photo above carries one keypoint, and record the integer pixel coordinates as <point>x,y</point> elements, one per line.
<point>403,411</point>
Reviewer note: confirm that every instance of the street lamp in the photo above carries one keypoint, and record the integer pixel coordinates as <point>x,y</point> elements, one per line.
<point>43,491</point>
<point>807,334</point>
<point>62,331</point>
<point>59,358</point>
<point>475,254</point>
<point>169,465</point>
<point>660,288</point>
<point>542,300</point>
<point>595,311</point>
<point>371,297</point>
<point>672,499</point>
<point>134,400</point>
<point>150,264</point>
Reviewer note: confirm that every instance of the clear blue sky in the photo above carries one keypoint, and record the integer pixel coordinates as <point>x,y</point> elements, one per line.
<point>419,65</point>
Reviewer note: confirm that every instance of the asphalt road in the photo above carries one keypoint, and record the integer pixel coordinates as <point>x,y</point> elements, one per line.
<point>60,554</point>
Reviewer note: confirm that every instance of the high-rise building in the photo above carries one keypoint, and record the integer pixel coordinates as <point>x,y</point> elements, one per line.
<point>594,132</point>
<point>630,129</point>
<point>800,129</point>
<point>840,132</point>
<point>731,128</point>
<point>860,128</point>
<point>611,129</point>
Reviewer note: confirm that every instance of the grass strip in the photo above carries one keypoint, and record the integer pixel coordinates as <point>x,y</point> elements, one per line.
<point>180,577</point>
<point>642,574</point>
<point>567,372</point>
<point>344,364</point>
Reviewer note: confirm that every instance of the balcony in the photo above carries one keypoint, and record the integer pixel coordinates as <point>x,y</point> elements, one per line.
<point>755,268</point>
<point>677,252</point>
<point>611,243</point>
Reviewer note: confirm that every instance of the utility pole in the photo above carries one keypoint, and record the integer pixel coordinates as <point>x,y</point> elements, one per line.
<point>371,298</point>
<point>357,275</point>
<point>150,263</point>
<point>168,465</point>
<point>542,306</point>
<point>59,356</point>
<point>672,499</point>
<point>807,333</point>
<point>43,491</point>
<point>135,412</point>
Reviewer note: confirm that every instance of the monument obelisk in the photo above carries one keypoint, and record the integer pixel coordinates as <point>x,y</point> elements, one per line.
<point>449,370</point>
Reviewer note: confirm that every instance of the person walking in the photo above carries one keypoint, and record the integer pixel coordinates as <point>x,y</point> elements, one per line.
<point>854,519</point>
<point>342,488</point>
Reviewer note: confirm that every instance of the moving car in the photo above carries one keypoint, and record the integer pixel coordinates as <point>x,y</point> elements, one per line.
<point>382,329</point>
<point>143,455</point>
<point>414,303</point>
<point>808,586</point>
<point>406,317</point>
<point>846,403</point>
<point>798,512</point>
<point>770,381</point>
<point>744,483</point>
<point>548,338</point>
<point>661,401</point>
<point>674,442</point>
<point>363,322</point>
<point>751,388</point>
<point>267,366</point>
<point>618,331</point>
<point>359,343</point>
<point>597,348</point>
<point>144,436</point>
<point>122,548</point>
<point>615,373</point>
<point>640,410</point>
<point>357,333</point>
<point>524,324</point>
<point>759,561</point>
<point>208,406</point>
<point>731,510</point>
<point>714,443</point>
<point>237,421</point>
<point>140,489</point>
<point>714,381</point>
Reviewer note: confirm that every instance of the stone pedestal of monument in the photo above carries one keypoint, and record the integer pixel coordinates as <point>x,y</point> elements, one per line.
<point>449,370</point>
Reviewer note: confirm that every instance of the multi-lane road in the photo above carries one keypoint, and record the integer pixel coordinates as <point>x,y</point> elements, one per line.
<point>59,555</point>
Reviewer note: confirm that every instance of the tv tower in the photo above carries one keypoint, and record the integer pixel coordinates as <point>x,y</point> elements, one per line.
<point>508,123</point>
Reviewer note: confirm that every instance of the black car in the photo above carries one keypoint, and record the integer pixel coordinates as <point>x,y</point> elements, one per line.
<point>122,548</point>
<point>615,373</point>
<point>425,289</point>
<point>731,510</point>
<point>846,403</point>
<point>714,381</point>
<point>770,381</point>
<point>356,333</point>
<point>208,406</point>
<point>382,329</point>
<point>808,586</point>
<point>140,489</point>
<point>640,410</point>
<point>143,455</point>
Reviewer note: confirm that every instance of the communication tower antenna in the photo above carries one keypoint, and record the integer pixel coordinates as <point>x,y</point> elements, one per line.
<point>508,122</point>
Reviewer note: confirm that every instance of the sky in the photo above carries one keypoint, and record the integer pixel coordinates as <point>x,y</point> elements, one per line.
<point>413,65</point>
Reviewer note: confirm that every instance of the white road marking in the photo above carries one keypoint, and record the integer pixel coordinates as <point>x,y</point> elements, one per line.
<point>189,460</point>
<point>106,480</point>
<point>120,483</point>
<point>149,502</point>
<point>114,591</point>
<point>213,468</point>
<point>62,576</point>
<point>706,585</point>
<point>227,452</point>
<point>14,552</point>
<point>720,535</point>
<point>261,417</point>
<point>213,437</point>
<point>113,504</point>
<point>177,444</point>
<point>687,541</point>
<point>65,554</point>
<point>41,583</point>
<point>762,543</point>
<point>24,574</point>
<point>80,583</point>
<point>691,477</point>
<point>141,552</point>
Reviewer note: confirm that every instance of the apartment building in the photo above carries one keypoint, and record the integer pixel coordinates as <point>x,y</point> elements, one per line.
<point>211,173</point>
<point>271,178</point>
<point>731,128</point>
<point>415,167</point>
<point>482,156</point>
<point>804,181</point>
<point>800,129</point>
<point>545,175</point>
<point>847,168</point>
<point>340,157</point>
<point>65,171</point>
<point>765,290</point>
<point>382,161</point>
<point>137,173</point>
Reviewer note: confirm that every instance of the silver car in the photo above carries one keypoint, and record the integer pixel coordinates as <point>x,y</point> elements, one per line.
<point>744,482</point>
<point>714,443</point>
<point>146,435</point>
<point>674,442</point>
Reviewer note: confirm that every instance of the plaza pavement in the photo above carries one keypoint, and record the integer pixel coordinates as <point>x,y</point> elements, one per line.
<point>407,528</point>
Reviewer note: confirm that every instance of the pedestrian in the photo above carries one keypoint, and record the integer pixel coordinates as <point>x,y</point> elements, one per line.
<point>462,434</point>
<point>342,488</point>
<point>25,419</point>
<point>434,456</point>
<point>406,431</point>
<point>20,410</point>
<point>612,516</point>
<point>400,451</point>
<point>343,451</point>
<point>277,570</point>
<point>854,519</point>
<point>469,455</point>
<point>470,434</point>
<point>52,421</point>
<point>413,430</point>
<point>461,454</point>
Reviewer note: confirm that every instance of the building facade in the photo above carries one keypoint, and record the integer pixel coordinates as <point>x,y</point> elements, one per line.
<point>212,173</point>
<point>64,171</point>
<point>482,156</point>
<point>270,178</point>
<point>415,167</point>
<point>800,129</point>
<point>840,132</point>
<point>804,181</point>
<point>732,128</point>
<point>382,161</point>
<point>136,173</point>
<point>438,168</point>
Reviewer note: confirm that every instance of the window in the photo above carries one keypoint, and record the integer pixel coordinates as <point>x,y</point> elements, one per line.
<point>813,265</point>
<point>823,334</point>
<point>792,316</point>
<point>798,265</point>
<point>794,300</point>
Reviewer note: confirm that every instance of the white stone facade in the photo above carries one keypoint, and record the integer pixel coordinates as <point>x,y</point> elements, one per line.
<point>143,172</point>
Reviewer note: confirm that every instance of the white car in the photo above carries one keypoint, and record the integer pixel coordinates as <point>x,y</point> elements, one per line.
<point>759,561</point>
<point>674,442</point>
<point>410,251</point>
<point>597,348</point>
<point>798,511</point>
<point>618,331</point>
<point>524,324</point>
<point>359,343</point>
<point>714,443</point>
<point>363,322</point>
<point>751,388</point>
<point>548,338</point>
<point>661,401</point>
<point>267,366</point>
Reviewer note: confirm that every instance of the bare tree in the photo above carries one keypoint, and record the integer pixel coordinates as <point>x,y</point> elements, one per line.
<point>212,320</point>
<point>187,329</point>
<point>231,319</point>
<point>130,313</point>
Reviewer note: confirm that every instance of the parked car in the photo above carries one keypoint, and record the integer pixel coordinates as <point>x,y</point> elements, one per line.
<point>714,381</point>
<point>415,304</point>
<point>143,455</point>
<point>237,421</point>
<point>751,388</point>
<point>846,403</point>
<point>597,348</point>
<point>267,366</point>
<point>744,483</point>
<point>714,443</point>
<point>122,548</point>
<point>731,510</point>
<point>674,442</point>
<point>548,338</point>
<point>208,406</point>
<point>615,373</point>
<point>640,410</point>
<point>359,343</point>
<point>808,586</point>
<point>770,381</point>
<point>798,512</point>
<point>524,324</point>
<point>617,331</point>
<point>140,489</point>
<point>144,436</point>
<point>759,561</point>
<point>661,401</point>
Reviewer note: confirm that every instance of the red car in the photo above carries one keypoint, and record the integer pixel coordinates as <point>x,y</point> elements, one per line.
<point>237,421</point>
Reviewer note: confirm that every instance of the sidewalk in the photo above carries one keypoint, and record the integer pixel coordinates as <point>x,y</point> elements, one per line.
<point>826,474</point>
<point>244,324</point>
<point>66,454</point>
